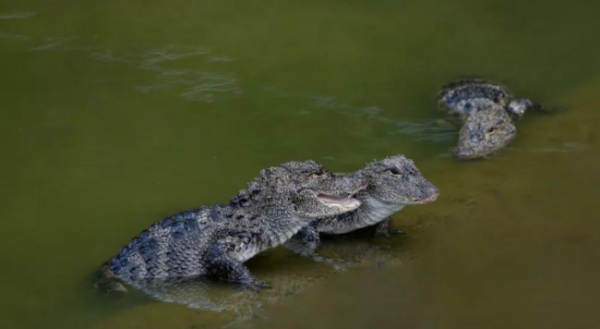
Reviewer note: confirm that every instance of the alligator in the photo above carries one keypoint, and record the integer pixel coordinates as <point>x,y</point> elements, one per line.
<point>215,241</point>
<point>489,113</point>
<point>393,183</point>
<point>235,306</point>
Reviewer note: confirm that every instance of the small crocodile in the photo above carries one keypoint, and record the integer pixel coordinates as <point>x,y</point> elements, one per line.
<point>392,184</point>
<point>215,241</point>
<point>235,306</point>
<point>489,113</point>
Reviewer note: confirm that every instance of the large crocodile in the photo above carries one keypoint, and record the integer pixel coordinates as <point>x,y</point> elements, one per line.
<point>393,183</point>
<point>215,241</point>
<point>488,112</point>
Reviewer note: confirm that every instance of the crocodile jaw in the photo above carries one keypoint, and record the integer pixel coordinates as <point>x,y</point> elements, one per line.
<point>341,202</point>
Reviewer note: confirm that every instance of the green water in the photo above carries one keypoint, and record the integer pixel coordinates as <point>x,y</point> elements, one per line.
<point>115,114</point>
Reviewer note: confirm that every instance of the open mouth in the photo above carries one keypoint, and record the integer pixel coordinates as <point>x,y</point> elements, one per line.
<point>344,202</point>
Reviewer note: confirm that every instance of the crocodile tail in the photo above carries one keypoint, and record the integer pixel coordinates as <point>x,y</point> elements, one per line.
<point>106,282</point>
<point>534,105</point>
<point>552,108</point>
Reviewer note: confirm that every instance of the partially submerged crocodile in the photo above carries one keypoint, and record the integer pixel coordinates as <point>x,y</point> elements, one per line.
<point>488,112</point>
<point>237,306</point>
<point>393,183</point>
<point>215,241</point>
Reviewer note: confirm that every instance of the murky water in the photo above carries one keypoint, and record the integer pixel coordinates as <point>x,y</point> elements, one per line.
<point>115,114</point>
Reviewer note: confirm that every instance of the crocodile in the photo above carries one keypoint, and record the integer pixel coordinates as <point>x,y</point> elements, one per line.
<point>488,112</point>
<point>215,241</point>
<point>393,183</point>
<point>237,307</point>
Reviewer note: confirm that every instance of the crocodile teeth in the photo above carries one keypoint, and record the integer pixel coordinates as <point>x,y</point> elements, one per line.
<point>340,201</point>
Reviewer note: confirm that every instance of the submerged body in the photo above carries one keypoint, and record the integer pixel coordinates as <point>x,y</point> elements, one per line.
<point>466,96</point>
<point>202,294</point>
<point>488,112</point>
<point>392,184</point>
<point>216,240</point>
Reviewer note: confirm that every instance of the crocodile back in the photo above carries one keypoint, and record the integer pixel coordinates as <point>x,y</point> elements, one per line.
<point>173,247</point>
<point>463,97</point>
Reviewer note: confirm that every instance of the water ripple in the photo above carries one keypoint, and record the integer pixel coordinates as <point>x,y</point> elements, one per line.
<point>12,36</point>
<point>427,131</point>
<point>52,43</point>
<point>17,14</point>
<point>423,131</point>
<point>192,84</point>
<point>170,53</point>
<point>568,147</point>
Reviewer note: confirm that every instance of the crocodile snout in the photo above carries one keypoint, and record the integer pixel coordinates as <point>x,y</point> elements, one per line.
<point>465,154</point>
<point>431,198</point>
<point>429,194</point>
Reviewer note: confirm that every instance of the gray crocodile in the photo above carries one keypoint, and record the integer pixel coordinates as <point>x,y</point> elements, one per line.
<point>489,113</point>
<point>235,306</point>
<point>215,241</point>
<point>393,183</point>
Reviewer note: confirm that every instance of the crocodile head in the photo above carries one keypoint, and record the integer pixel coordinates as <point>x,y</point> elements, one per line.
<point>305,189</point>
<point>316,192</point>
<point>396,180</point>
<point>485,132</point>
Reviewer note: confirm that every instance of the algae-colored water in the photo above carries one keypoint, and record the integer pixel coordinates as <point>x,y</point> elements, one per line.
<point>115,114</point>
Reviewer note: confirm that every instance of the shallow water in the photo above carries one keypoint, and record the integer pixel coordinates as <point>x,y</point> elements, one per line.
<point>116,114</point>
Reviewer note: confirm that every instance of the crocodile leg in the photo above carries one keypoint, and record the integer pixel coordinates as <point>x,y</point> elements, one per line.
<point>382,229</point>
<point>226,268</point>
<point>305,242</point>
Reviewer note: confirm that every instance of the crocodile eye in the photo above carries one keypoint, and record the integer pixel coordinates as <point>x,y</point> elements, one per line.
<point>320,173</point>
<point>394,171</point>
<point>491,130</point>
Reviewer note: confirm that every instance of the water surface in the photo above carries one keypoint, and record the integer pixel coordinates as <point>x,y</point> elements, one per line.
<point>116,114</point>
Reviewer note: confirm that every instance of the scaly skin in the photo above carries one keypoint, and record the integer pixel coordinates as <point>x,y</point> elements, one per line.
<point>392,184</point>
<point>485,132</point>
<point>205,295</point>
<point>488,112</point>
<point>215,241</point>
<point>465,96</point>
